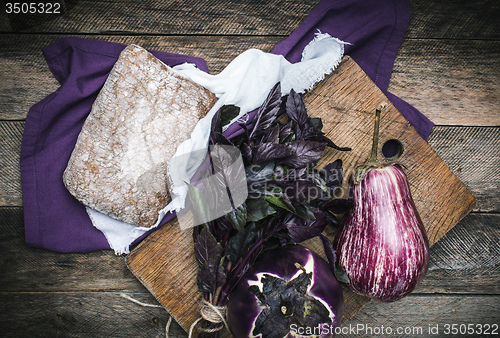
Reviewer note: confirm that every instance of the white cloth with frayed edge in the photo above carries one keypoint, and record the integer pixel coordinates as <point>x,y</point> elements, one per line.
<point>245,83</point>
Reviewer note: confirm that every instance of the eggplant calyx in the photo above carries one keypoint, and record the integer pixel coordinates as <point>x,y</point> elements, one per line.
<point>362,170</point>
<point>287,303</point>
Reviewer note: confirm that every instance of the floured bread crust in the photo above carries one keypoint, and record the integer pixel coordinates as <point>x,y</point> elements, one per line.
<point>143,112</point>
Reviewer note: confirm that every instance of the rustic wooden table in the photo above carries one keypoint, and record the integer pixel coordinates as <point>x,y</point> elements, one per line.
<point>448,67</point>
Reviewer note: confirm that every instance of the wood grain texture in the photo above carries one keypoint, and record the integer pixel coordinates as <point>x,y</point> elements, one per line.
<point>452,82</point>
<point>10,178</point>
<point>465,265</point>
<point>455,145</point>
<point>346,101</point>
<point>82,314</point>
<point>455,19</point>
<point>27,78</point>
<point>430,19</point>
<point>439,310</point>
<point>170,17</point>
<point>25,269</point>
<point>473,155</point>
<point>455,260</point>
<point>48,294</point>
<point>164,262</point>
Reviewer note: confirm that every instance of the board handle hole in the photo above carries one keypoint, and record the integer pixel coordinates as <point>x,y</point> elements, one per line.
<point>392,149</point>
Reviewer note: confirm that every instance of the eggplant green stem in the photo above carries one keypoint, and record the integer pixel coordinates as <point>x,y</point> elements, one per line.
<point>373,156</point>
<point>372,163</point>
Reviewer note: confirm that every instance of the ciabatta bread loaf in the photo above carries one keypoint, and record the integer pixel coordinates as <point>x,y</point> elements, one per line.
<point>143,112</point>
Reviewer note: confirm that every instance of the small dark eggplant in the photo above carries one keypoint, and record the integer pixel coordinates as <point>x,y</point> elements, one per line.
<point>382,244</point>
<point>289,292</point>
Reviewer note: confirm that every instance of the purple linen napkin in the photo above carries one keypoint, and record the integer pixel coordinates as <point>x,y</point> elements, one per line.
<point>53,218</point>
<point>374,30</point>
<point>56,221</point>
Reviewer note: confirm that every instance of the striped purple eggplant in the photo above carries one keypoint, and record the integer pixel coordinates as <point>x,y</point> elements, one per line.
<point>382,244</point>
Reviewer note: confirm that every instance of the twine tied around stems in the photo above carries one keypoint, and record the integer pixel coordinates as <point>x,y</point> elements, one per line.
<point>208,311</point>
<point>211,313</point>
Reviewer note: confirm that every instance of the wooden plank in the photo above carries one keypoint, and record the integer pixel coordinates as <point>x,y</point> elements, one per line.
<point>27,78</point>
<point>454,19</point>
<point>431,19</point>
<point>465,261</point>
<point>4,22</point>
<point>346,101</point>
<point>466,257</point>
<point>10,175</point>
<point>107,314</point>
<point>172,277</point>
<point>455,145</point>
<point>452,82</point>
<point>170,18</point>
<point>471,260</point>
<point>26,269</point>
<point>472,154</point>
<point>82,314</point>
<point>433,310</point>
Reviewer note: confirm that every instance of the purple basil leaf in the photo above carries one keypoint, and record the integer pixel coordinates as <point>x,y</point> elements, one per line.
<point>332,166</point>
<point>216,123</point>
<point>245,130</point>
<point>340,274</point>
<point>208,255</point>
<point>220,139</point>
<point>228,174</point>
<point>332,219</point>
<point>300,230</point>
<point>258,209</point>
<point>331,256</point>
<point>199,198</point>
<point>333,174</point>
<point>224,224</point>
<point>271,135</point>
<point>314,176</point>
<point>238,245</point>
<point>246,152</point>
<point>297,173</point>
<point>222,158</point>
<point>338,205</point>
<point>260,173</point>
<point>258,177</point>
<point>296,109</point>
<point>308,132</point>
<point>330,253</point>
<point>305,211</point>
<point>209,275</point>
<point>238,217</point>
<point>285,132</point>
<point>305,152</point>
<point>280,201</point>
<point>316,123</point>
<point>329,143</point>
<point>268,111</point>
<point>216,136</point>
<point>270,151</point>
<point>206,247</point>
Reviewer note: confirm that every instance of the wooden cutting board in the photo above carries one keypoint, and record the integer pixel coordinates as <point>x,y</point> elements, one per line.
<point>346,101</point>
